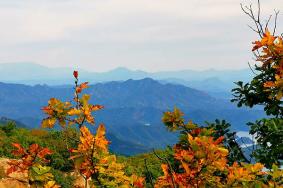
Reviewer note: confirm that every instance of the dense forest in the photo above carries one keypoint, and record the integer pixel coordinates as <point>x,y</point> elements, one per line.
<point>205,155</point>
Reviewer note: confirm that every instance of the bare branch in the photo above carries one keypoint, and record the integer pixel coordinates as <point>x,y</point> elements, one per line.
<point>258,16</point>
<point>170,167</point>
<point>254,29</point>
<point>275,21</point>
<point>267,22</point>
<point>251,68</point>
<point>248,10</point>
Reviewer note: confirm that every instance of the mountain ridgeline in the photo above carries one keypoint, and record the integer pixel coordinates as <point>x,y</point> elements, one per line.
<point>133,109</point>
<point>31,73</point>
<point>214,81</point>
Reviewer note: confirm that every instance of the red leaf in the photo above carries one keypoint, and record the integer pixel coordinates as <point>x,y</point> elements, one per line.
<point>76,74</point>
<point>11,170</point>
<point>43,152</point>
<point>20,150</point>
<point>33,148</point>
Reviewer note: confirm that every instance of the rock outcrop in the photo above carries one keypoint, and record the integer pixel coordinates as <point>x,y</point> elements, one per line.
<point>13,180</point>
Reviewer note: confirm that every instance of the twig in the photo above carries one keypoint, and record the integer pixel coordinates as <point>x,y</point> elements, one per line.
<point>256,18</point>
<point>275,21</point>
<point>267,22</point>
<point>251,68</point>
<point>149,173</point>
<point>170,167</point>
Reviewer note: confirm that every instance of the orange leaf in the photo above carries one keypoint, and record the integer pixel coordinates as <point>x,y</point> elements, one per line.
<point>82,86</point>
<point>269,84</point>
<point>165,169</point>
<point>219,140</point>
<point>257,45</point>
<point>96,107</point>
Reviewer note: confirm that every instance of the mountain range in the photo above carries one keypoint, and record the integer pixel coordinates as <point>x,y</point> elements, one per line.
<point>213,81</point>
<point>133,109</point>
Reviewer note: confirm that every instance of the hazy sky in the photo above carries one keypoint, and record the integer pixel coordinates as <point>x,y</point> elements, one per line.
<point>150,35</point>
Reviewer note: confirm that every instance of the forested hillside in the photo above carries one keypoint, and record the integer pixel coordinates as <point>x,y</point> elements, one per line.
<point>133,108</point>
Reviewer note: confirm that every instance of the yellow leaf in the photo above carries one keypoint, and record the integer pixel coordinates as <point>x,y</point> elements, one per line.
<point>74,111</point>
<point>51,184</point>
<point>100,139</point>
<point>48,123</point>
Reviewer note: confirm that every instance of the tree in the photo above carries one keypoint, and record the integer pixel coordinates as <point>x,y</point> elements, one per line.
<point>91,158</point>
<point>203,161</point>
<point>266,88</point>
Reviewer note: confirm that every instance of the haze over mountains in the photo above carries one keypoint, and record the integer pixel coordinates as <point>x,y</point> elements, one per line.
<point>214,81</point>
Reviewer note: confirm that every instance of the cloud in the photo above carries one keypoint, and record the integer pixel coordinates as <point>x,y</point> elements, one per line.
<point>139,34</point>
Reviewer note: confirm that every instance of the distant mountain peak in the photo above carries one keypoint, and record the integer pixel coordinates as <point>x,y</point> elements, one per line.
<point>147,79</point>
<point>143,81</point>
<point>21,64</point>
<point>126,70</point>
<point>120,69</point>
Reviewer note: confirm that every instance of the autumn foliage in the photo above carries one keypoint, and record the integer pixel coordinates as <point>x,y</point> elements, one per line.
<point>67,113</point>
<point>200,158</point>
<point>270,54</point>
<point>91,158</point>
<point>265,88</point>
<point>32,161</point>
<point>202,161</point>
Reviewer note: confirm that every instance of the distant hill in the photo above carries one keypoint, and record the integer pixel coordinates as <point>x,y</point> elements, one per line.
<point>5,120</point>
<point>117,145</point>
<point>123,147</point>
<point>213,86</point>
<point>31,73</point>
<point>133,108</point>
<point>218,83</point>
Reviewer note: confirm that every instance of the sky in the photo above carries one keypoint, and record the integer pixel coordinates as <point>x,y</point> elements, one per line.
<point>149,35</point>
